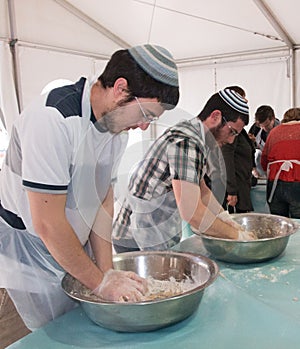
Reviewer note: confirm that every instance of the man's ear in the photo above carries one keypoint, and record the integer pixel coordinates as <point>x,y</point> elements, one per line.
<point>120,87</point>
<point>216,118</point>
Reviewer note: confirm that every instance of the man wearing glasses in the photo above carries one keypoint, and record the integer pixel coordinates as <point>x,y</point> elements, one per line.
<point>56,194</point>
<point>167,186</point>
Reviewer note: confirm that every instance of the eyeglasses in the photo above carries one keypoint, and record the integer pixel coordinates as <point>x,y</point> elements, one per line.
<point>148,118</point>
<point>233,132</point>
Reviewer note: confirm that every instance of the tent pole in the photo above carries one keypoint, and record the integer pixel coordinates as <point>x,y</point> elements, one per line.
<point>292,76</point>
<point>14,52</point>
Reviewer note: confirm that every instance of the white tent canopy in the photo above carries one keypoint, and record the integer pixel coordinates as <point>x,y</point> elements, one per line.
<point>216,43</point>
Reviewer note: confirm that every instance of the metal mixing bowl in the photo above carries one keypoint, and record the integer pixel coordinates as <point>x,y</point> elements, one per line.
<point>155,314</point>
<point>273,234</point>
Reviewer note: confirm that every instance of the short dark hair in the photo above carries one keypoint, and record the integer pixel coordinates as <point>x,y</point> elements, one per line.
<point>140,84</point>
<point>263,113</point>
<point>215,102</point>
<point>237,89</point>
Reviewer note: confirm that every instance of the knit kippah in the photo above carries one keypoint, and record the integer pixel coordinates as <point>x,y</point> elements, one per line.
<point>234,100</point>
<point>157,62</point>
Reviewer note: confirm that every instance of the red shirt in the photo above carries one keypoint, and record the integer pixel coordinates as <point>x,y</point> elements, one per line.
<point>283,143</point>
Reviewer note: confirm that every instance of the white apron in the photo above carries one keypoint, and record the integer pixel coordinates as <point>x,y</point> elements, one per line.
<point>155,222</point>
<point>27,270</point>
<point>31,277</point>
<point>286,166</point>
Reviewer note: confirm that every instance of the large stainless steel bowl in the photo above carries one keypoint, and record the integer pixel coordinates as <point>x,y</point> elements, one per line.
<point>273,234</point>
<point>155,314</point>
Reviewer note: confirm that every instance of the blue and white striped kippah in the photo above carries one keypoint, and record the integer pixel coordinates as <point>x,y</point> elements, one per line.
<point>157,62</point>
<point>234,100</point>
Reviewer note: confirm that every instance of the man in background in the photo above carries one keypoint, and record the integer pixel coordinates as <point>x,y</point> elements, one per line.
<point>265,121</point>
<point>168,187</point>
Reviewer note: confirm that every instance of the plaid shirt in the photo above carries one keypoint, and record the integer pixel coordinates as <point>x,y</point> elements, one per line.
<point>179,153</point>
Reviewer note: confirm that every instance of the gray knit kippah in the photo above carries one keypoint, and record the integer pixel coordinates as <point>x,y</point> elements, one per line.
<point>234,100</point>
<point>157,62</point>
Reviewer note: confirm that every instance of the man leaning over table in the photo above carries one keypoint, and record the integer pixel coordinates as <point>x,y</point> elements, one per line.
<point>56,189</point>
<point>167,186</point>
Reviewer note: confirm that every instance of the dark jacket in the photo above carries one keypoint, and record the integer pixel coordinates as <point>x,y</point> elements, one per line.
<point>239,159</point>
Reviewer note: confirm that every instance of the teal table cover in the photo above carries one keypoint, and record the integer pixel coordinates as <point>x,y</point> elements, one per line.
<point>249,306</point>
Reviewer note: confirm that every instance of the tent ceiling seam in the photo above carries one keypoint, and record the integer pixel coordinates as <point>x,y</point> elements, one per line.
<point>62,50</point>
<point>237,62</point>
<point>269,53</point>
<point>268,36</point>
<point>38,46</point>
<point>232,55</point>
<point>151,23</point>
<point>266,11</point>
<point>283,33</point>
<point>92,23</point>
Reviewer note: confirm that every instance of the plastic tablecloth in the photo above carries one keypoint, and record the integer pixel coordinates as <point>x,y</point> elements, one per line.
<point>249,306</point>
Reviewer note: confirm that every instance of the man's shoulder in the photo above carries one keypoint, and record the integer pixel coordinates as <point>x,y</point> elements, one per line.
<point>67,99</point>
<point>277,122</point>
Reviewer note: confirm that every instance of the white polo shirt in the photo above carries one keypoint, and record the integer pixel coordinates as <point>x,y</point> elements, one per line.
<point>56,147</point>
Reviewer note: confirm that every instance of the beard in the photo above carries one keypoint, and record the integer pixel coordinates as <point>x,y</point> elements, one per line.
<point>216,132</point>
<point>109,121</point>
<point>218,135</point>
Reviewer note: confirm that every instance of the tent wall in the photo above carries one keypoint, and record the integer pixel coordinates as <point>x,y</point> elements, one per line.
<point>39,67</point>
<point>265,80</point>
<point>64,39</point>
